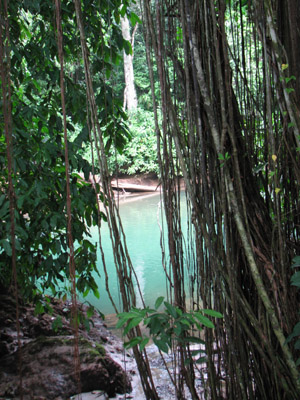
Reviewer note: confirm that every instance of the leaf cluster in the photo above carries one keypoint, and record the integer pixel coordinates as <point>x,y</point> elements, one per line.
<point>167,328</point>
<point>38,149</point>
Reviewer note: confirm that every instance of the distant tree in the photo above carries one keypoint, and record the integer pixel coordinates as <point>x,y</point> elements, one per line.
<point>130,97</point>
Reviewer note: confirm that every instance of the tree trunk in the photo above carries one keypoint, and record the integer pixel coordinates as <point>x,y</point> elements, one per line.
<point>130,97</point>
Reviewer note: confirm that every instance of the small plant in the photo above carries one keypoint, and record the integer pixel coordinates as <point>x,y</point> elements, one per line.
<point>223,158</point>
<point>167,328</point>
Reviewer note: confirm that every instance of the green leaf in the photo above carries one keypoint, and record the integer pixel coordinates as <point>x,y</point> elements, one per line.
<point>171,309</point>
<point>132,324</point>
<point>297,345</point>
<point>289,90</point>
<point>154,325</point>
<point>158,302</point>
<point>296,262</point>
<point>143,343</point>
<point>57,324</point>
<point>121,322</point>
<point>134,19</point>
<point>295,279</point>
<point>96,293</point>
<point>204,320</point>
<point>184,321</point>
<point>107,72</point>
<point>5,244</point>
<point>86,323</point>
<point>2,198</point>
<point>39,308</point>
<point>196,352</point>
<point>289,78</point>
<point>133,342</point>
<point>193,339</point>
<point>161,345</point>
<point>127,47</point>
<point>295,333</point>
<point>90,312</point>
<point>177,330</point>
<point>201,360</point>
<point>213,313</point>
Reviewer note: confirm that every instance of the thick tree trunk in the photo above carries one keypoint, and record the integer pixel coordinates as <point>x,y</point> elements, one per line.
<point>130,97</point>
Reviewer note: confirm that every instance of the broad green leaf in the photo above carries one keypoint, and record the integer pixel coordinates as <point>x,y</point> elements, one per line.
<point>123,11</point>
<point>171,309</point>
<point>201,360</point>
<point>289,90</point>
<point>57,324</point>
<point>90,312</point>
<point>107,71</point>
<point>132,324</point>
<point>296,262</point>
<point>295,279</point>
<point>127,47</point>
<point>177,330</point>
<point>86,324</point>
<point>161,345</point>
<point>127,315</point>
<point>193,339</point>
<point>158,302</point>
<point>196,352</point>
<point>39,308</point>
<point>143,343</point>
<point>2,198</point>
<point>204,320</point>
<point>297,345</point>
<point>213,313</point>
<point>5,244</point>
<point>134,19</point>
<point>133,342</point>
<point>155,326</point>
<point>184,321</point>
<point>121,322</point>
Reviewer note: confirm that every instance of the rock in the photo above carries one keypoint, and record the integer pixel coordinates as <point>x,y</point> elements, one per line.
<point>47,357</point>
<point>48,370</point>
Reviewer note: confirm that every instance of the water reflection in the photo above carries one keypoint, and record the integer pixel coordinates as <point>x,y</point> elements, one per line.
<point>141,221</point>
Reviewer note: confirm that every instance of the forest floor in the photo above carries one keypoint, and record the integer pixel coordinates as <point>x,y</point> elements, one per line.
<point>47,360</point>
<point>35,326</point>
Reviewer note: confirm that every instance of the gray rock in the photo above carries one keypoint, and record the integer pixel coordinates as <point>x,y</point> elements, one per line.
<point>48,370</point>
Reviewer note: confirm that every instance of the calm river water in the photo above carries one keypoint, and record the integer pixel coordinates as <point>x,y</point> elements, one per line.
<point>140,216</point>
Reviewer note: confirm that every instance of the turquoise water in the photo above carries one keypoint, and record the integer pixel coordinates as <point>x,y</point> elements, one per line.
<point>140,218</point>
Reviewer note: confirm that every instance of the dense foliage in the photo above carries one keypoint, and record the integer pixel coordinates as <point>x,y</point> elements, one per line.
<point>139,155</point>
<point>30,66</point>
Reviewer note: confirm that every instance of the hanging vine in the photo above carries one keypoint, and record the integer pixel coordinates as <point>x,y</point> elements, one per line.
<point>72,267</point>
<point>242,250</point>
